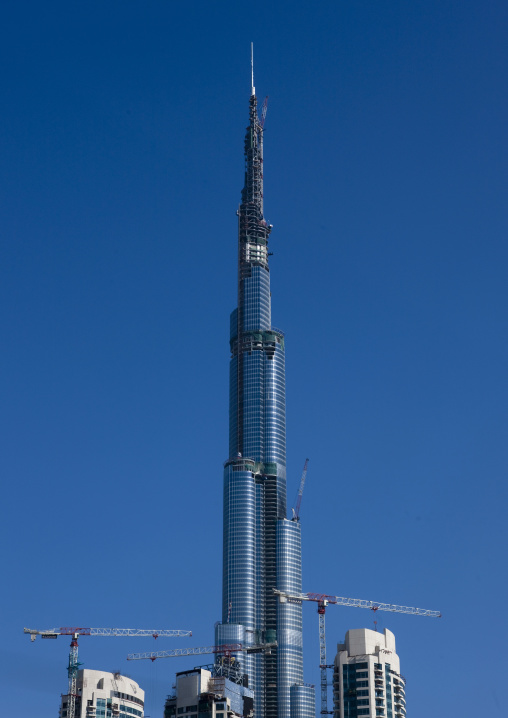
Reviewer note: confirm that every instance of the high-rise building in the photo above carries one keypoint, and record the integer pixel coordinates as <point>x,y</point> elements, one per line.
<point>105,695</point>
<point>262,549</point>
<point>201,693</point>
<point>366,677</point>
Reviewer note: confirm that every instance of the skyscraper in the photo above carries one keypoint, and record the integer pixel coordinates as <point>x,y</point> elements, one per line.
<point>262,549</point>
<point>366,677</point>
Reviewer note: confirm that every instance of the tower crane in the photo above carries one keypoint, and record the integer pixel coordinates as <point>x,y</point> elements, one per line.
<point>75,632</point>
<point>263,112</point>
<point>323,600</point>
<point>226,649</point>
<point>296,510</point>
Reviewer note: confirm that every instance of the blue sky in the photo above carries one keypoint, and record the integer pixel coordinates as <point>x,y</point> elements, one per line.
<point>385,180</point>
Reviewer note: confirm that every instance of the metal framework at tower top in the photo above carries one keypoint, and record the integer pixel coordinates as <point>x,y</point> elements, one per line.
<point>253,233</point>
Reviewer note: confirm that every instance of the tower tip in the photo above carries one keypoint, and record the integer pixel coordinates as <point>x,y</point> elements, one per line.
<point>252,88</point>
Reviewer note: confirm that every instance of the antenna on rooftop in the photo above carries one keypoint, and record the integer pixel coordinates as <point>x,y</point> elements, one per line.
<point>253,89</point>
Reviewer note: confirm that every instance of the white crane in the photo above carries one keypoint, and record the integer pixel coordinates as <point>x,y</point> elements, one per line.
<point>296,510</point>
<point>323,600</point>
<point>72,669</point>
<point>226,649</point>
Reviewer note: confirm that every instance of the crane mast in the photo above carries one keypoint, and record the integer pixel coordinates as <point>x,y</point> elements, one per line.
<point>322,659</point>
<point>72,672</point>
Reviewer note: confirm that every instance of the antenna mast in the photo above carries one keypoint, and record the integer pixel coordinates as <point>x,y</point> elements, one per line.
<point>253,89</point>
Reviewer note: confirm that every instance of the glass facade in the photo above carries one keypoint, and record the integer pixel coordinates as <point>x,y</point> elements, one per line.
<point>303,701</point>
<point>289,615</point>
<point>261,548</point>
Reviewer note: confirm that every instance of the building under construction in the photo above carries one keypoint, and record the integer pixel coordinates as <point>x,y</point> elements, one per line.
<point>261,547</point>
<point>205,693</point>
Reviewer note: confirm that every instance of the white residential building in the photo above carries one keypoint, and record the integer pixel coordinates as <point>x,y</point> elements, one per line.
<point>105,695</point>
<point>366,677</point>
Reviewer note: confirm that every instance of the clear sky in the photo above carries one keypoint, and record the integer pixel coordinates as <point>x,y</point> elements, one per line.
<point>121,147</point>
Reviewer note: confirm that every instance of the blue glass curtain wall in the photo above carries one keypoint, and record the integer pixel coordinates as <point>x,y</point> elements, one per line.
<point>261,548</point>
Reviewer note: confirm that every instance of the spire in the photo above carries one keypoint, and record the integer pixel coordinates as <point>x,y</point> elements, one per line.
<point>252,88</point>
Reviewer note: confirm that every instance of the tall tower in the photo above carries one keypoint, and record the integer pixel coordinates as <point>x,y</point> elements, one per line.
<point>262,549</point>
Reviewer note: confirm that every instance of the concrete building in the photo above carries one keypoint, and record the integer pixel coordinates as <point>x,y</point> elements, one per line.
<point>201,693</point>
<point>105,695</point>
<point>366,677</point>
